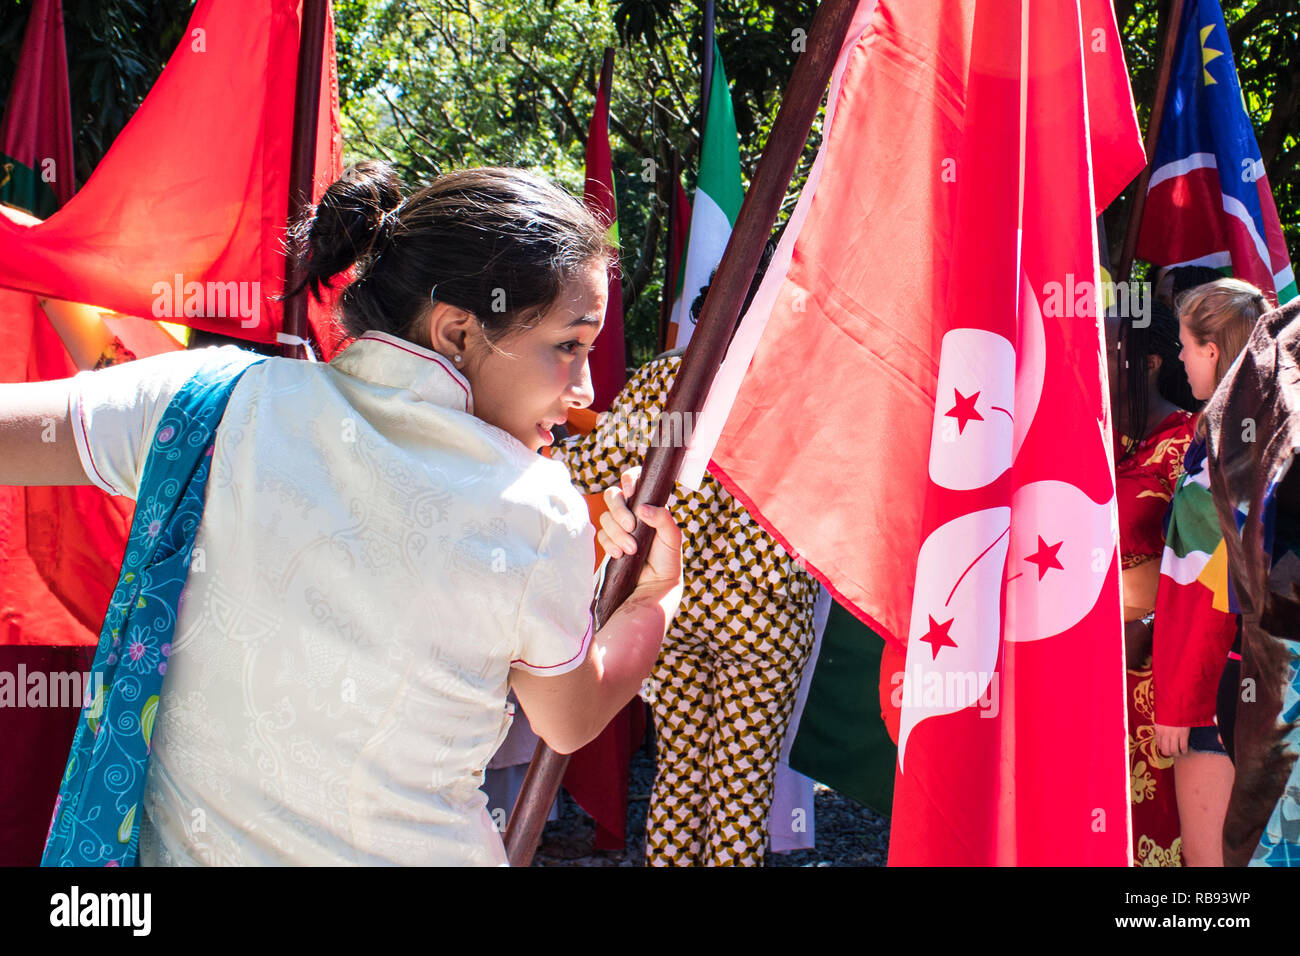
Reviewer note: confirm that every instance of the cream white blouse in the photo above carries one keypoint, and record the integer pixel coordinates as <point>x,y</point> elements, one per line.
<point>372,562</point>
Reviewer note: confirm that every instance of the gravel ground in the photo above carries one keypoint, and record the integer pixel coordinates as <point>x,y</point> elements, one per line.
<point>848,834</point>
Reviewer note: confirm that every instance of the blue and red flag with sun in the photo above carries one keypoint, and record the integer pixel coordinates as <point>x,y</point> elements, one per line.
<point>1209,202</point>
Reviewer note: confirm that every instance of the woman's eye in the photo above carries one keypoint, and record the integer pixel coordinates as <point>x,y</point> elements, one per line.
<point>572,347</point>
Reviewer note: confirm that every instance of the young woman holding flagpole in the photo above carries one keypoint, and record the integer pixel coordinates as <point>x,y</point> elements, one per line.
<point>336,572</point>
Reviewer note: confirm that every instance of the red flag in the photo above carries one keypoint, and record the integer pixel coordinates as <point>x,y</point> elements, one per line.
<point>36,169</point>
<point>184,218</point>
<point>935,311</point>
<point>608,358</point>
<point>197,181</point>
<point>51,589</point>
<point>60,549</point>
<point>681,230</point>
<point>677,251</point>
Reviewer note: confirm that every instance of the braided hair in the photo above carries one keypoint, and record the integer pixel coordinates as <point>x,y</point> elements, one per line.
<point>1137,343</point>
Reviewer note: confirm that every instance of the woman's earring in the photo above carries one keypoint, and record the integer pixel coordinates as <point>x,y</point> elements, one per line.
<point>457,359</point>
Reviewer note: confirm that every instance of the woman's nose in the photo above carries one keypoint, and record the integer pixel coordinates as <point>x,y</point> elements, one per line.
<point>581,388</point>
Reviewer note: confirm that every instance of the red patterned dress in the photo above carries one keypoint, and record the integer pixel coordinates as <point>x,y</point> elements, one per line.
<point>1144,484</point>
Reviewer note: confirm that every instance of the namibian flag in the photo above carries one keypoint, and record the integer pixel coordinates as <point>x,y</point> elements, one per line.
<point>1209,201</point>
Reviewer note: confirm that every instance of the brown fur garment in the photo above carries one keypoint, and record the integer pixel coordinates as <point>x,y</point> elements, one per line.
<point>1253,424</point>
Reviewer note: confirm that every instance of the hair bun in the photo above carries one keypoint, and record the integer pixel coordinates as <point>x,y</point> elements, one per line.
<point>352,223</point>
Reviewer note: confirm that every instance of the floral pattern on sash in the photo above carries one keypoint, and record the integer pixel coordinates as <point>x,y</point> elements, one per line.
<point>96,819</point>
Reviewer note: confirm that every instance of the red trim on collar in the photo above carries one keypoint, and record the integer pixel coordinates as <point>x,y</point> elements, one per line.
<point>421,354</point>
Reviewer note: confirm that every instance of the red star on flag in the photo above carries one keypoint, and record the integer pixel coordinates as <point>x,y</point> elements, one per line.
<point>938,636</point>
<point>964,410</point>
<point>1045,556</point>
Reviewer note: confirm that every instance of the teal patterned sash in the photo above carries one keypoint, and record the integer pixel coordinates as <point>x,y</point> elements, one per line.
<point>96,820</point>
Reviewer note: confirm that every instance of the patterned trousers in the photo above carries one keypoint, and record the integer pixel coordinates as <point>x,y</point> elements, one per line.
<point>722,693</point>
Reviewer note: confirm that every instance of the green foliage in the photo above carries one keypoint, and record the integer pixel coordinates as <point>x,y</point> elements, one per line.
<point>428,85</point>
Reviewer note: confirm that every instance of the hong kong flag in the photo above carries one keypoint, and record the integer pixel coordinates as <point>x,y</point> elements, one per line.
<point>961,462</point>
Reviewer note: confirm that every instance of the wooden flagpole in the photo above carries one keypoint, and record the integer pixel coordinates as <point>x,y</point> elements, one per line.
<point>735,272</point>
<point>1153,135</point>
<point>302,168</point>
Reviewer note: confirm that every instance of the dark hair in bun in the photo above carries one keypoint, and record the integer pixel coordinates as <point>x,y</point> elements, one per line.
<point>497,242</point>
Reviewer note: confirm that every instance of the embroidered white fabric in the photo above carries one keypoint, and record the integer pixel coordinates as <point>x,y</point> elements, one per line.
<point>372,561</point>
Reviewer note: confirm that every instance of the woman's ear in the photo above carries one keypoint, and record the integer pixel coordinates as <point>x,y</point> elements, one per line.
<point>1212,351</point>
<point>449,329</point>
<point>1154,362</point>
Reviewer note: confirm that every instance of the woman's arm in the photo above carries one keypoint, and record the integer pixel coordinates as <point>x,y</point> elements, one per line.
<point>36,442</point>
<point>83,331</point>
<point>1139,585</point>
<point>570,710</point>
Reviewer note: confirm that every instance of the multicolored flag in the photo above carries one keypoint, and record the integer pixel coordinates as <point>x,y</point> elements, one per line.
<point>719,193</point>
<point>36,165</point>
<point>1209,202</point>
<point>184,218</point>
<point>1196,609</point>
<point>609,357</point>
<point>933,306</point>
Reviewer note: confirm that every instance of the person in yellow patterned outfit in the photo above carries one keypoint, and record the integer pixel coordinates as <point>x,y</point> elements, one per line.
<point>724,686</point>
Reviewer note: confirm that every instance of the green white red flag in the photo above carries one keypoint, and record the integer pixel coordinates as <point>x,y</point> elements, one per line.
<point>719,194</point>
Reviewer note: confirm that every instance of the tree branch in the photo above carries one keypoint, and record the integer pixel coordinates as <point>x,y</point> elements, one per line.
<point>1282,118</point>
<point>441,30</point>
<point>672,82</point>
<point>564,102</point>
<point>639,278</point>
<point>1240,31</point>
